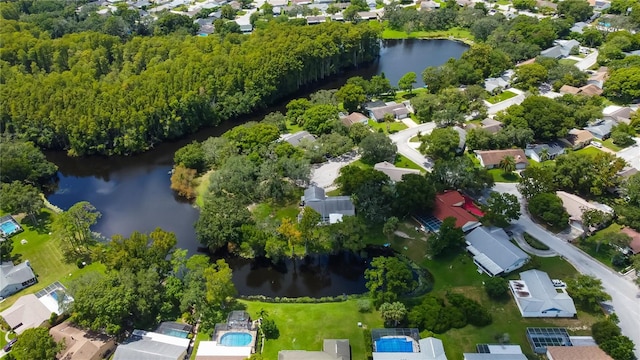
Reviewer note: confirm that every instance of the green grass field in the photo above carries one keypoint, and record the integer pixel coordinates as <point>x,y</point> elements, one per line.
<point>305,326</point>
<point>590,150</point>
<point>501,97</point>
<point>455,33</point>
<point>403,162</point>
<point>201,189</point>
<point>45,256</point>
<point>567,61</point>
<point>609,145</point>
<point>387,127</point>
<point>500,176</point>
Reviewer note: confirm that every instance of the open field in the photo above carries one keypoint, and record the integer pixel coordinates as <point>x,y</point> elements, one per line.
<point>499,176</point>
<point>305,326</point>
<point>455,33</point>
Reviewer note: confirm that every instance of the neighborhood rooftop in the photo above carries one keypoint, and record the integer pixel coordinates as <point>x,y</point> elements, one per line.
<point>536,296</point>
<point>493,252</point>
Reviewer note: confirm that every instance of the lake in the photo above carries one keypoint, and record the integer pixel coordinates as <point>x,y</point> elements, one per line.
<point>133,193</point>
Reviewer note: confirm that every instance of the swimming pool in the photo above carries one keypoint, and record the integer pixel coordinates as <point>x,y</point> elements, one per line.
<point>236,339</point>
<point>176,333</point>
<point>394,344</point>
<point>9,227</point>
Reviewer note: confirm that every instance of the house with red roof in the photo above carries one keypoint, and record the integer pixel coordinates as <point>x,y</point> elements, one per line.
<point>634,245</point>
<point>452,204</point>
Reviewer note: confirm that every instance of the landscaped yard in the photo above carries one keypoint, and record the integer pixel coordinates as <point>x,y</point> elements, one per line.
<point>403,162</point>
<point>589,150</point>
<point>392,127</point>
<point>609,145</point>
<point>500,176</point>
<point>501,97</point>
<point>606,252</point>
<point>534,243</point>
<point>305,326</point>
<point>45,257</point>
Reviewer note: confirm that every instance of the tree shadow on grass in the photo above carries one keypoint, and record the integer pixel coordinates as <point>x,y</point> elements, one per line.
<point>42,225</point>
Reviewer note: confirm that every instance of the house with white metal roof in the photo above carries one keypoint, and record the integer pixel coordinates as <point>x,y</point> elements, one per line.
<point>537,296</point>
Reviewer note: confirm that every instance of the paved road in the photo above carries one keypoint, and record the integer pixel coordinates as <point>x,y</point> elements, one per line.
<point>401,139</point>
<point>519,238</point>
<point>625,295</point>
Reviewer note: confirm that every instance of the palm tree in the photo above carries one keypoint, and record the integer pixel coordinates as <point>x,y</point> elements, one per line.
<point>508,164</point>
<point>544,154</point>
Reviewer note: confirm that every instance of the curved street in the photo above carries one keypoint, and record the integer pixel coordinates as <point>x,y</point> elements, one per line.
<point>401,139</point>
<point>624,294</point>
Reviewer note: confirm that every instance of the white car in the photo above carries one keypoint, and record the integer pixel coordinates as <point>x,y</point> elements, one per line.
<point>597,144</point>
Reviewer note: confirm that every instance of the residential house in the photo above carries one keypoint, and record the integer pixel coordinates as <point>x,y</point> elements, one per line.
<point>490,159</point>
<point>14,278</point>
<point>601,129</point>
<point>295,138</point>
<point>246,28</point>
<point>543,152</point>
<point>490,125</point>
<point>238,322</point>
<point>561,49</point>
<point>600,5</point>
<point>492,251</point>
<point>452,204</point>
<point>206,26</point>
<point>541,338</point>
<point>394,173</point>
<point>332,208</point>
<point>147,345</point>
<point>368,15</point>
<point>429,5</point>
<point>80,344</point>
<point>377,113</point>
<point>588,90</point>
<point>546,4</point>
<point>578,138</point>
<point>576,352</point>
<point>575,206</point>
<point>411,346</point>
<point>578,27</point>
<point>332,349</point>
<point>354,118</point>
<point>337,17</point>
<point>496,84</point>
<point>278,3</point>
<point>463,3</point>
<point>619,114</point>
<point>26,313</point>
<point>598,78</point>
<point>496,352</point>
<point>537,296</point>
<point>634,245</point>
<point>313,20</point>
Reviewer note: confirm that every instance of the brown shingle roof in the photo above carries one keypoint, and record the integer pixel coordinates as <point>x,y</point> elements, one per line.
<point>353,118</point>
<point>577,136</point>
<point>576,352</point>
<point>568,89</point>
<point>493,157</point>
<point>635,239</point>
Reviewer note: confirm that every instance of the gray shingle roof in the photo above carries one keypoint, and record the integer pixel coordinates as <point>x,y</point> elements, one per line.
<point>494,244</point>
<point>543,294</point>
<point>10,274</point>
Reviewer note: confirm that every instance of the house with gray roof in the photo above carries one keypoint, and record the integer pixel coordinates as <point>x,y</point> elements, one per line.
<point>537,296</point>
<point>578,27</point>
<point>429,5</point>
<point>544,152</point>
<point>332,208</point>
<point>601,129</point>
<point>492,251</point>
<point>332,349</point>
<point>496,352</point>
<point>561,49</point>
<point>146,345</point>
<point>493,84</point>
<point>295,138</point>
<point>377,112</point>
<point>15,278</point>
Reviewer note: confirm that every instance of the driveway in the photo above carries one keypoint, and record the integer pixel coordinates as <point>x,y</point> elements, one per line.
<point>631,154</point>
<point>588,61</point>
<point>326,173</point>
<point>625,294</point>
<point>401,139</point>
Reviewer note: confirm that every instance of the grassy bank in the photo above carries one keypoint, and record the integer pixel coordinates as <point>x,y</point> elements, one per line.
<point>305,326</point>
<point>455,33</point>
<point>201,189</point>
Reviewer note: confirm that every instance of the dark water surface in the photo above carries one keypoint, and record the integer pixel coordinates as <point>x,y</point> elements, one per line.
<point>133,193</point>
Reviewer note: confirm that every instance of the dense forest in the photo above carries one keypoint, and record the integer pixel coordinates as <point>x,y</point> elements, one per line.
<point>92,93</point>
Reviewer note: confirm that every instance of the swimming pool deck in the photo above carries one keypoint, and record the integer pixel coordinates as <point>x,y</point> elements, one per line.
<point>254,336</point>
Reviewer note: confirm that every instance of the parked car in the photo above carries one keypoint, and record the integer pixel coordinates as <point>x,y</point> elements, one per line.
<point>9,345</point>
<point>596,144</point>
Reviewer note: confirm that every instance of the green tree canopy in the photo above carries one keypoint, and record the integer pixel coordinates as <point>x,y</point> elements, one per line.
<point>22,161</point>
<point>449,238</point>
<point>377,147</point>
<point>442,143</point>
<point>502,208</point>
<point>548,208</point>
<point>388,278</point>
<point>587,292</point>
<point>17,197</point>
<point>35,343</point>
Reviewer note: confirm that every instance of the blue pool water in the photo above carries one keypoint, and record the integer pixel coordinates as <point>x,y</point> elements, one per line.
<point>9,227</point>
<point>236,339</point>
<point>177,333</point>
<point>394,345</point>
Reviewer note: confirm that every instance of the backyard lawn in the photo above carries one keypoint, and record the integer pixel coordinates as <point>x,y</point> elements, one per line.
<point>589,150</point>
<point>606,252</point>
<point>305,326</point>
<point>499,176</point>
<point>501,97</point>
<point>392,127</point>
<point>45,257</point>
<point>457,33</point>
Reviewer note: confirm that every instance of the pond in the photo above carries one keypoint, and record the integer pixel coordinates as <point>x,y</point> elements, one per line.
<point>133,193</point>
